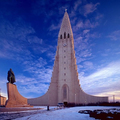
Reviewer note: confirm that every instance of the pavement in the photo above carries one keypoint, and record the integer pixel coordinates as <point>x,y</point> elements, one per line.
<point>3,109</point>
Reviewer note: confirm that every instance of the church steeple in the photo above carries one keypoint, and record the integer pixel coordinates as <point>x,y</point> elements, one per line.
<point>64,86</point>
<point>65,26</point>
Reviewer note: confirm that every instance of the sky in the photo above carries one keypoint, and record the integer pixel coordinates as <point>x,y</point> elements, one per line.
<point>28,41</point>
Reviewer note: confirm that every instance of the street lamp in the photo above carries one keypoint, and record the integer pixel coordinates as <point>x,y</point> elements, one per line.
<point>75,98</point>
<point>0,91</point>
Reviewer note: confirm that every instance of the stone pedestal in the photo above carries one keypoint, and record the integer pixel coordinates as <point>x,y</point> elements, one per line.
<point>14,97</point>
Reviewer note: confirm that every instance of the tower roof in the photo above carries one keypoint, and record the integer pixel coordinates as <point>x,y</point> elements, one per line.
<point>65,26</point>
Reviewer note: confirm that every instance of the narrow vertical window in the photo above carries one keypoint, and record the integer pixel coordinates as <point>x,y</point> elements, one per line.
<point>68,35</point>
<point>64,92</point>
<point>60,36</point>
<point>64,35</point>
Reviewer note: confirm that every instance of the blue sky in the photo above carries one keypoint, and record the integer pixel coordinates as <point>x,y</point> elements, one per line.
<point>28,40</point>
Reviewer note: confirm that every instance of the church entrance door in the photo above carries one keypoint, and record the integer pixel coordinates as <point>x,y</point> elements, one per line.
<point>65,104</point>
<point>65,94</point>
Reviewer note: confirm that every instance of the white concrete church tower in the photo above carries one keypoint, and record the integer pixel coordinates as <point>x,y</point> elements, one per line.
<point>64,86</point>
<point>68,75</point>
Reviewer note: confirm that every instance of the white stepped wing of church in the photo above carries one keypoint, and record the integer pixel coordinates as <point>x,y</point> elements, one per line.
<point>64,86</point>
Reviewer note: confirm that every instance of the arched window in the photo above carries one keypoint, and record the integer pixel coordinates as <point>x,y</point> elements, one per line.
<point>64,92</point>
<point>60,36</point>
<point>68,35</point>
<point>64,35</point>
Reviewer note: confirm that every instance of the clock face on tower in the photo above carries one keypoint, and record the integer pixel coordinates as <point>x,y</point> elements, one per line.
<point>64,44</point>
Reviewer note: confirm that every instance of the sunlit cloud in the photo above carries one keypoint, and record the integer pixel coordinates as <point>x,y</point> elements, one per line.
<point>114,96</point>
<point>104,80</point>
<point>108,74</point>
<point>108,71</point>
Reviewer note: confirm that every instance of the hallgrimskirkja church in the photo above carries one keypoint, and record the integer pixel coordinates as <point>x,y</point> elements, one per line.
<point>64,86</point>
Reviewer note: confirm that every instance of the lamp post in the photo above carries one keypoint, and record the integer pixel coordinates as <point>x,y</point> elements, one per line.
<point>0,91</point>
<point>75,98</point>
<point>48,103</point>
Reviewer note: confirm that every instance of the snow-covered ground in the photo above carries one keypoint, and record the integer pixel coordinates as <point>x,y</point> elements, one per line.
<point>64,114</point>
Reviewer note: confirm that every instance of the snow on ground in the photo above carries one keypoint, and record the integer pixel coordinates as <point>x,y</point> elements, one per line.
<point>64,114</point>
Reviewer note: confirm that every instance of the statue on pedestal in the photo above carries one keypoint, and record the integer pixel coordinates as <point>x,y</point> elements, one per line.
<point>11,76</point>
<point>15,99</point>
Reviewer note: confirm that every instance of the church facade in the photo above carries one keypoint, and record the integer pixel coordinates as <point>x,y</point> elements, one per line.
<point>64,86</point>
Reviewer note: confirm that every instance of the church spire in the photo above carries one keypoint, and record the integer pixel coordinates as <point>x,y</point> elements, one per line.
<point>65,26</point>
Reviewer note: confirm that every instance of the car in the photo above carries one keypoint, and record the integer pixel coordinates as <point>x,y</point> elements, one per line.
<point>60,104</point>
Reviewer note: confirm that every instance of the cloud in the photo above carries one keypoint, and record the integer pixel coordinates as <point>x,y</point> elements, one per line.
<point>89,8</point>
<point>82,29</point>
<point>88,65</point>
<point>106,79</point>
<point>84,8</point>
<point>85,32</point>
<point>19,43</point>
<point>115,35</point>
<point>18,40</point>
<point>110,95</point>
<point>32,39</point>
<point>76,4</point>
<point>13,38</point>
<point>38,69</point>
<point>109,91</point>
<point>14,50</point>
<point>36,90</point>
<point>87,24</point>
<point>99,16</point>
<point>51,55</point>
<point>15,30</point>
<point>3,87</point>
<point>38,82</point>
<point>53,27</point>
<point>83,47</point>
<point>35,63</point>
<point>118,53</point>
<point>106,72</point>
